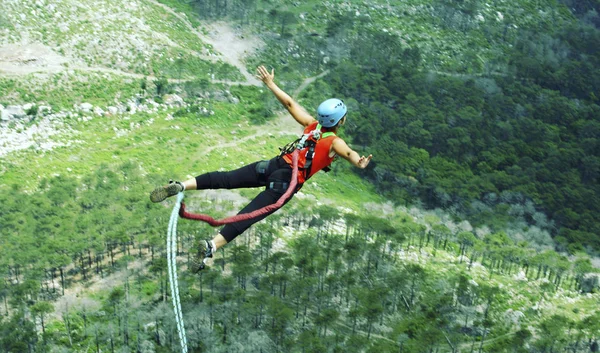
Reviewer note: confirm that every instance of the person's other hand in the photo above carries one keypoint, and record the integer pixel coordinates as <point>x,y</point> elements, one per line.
<point>363,161</point>
<point>264,75</point>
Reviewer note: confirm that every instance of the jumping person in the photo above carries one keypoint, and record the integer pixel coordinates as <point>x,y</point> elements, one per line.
<point>274,174</point>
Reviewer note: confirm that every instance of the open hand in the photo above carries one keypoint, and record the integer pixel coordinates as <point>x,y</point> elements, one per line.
<point>264,75</point>
<point>364,161</point>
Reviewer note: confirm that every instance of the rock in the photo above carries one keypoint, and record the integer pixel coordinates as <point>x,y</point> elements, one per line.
<point>44,109</point>
<point>520,276</point>
<point>513,317</point>
<point>98,111</point>
<point>219,96</point>
<point>86,107</point>
<point>112,110</point>
<point>173,99</point>
<point>13,112</point>
<point>132,107</point>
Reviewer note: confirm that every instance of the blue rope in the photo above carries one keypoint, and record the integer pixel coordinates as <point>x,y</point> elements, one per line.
<point>172,266</point>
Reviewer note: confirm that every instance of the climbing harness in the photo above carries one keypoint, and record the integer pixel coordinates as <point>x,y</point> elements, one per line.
<point>172,268</point>
<point>307,142</point>
<point>312,144</point>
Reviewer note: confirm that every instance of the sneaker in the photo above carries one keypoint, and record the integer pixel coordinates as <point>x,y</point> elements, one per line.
<point>161,193</point>
<point>205,252</point>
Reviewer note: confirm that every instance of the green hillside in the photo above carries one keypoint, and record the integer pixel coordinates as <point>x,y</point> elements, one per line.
<point>473,230</point>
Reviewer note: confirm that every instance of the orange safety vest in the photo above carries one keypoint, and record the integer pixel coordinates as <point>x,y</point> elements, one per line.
<point>320,158</point>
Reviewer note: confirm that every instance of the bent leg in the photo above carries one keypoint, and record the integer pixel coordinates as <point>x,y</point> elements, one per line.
<point>278,172</point>
<point>264,198</point>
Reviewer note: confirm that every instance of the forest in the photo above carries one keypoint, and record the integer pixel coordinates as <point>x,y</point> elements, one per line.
<point>520,136</point>
<point>486,142</point>
<point>375,284</point>
<point>482,144</point>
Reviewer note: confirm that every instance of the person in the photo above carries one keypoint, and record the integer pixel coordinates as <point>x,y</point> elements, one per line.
<point>275,174</point>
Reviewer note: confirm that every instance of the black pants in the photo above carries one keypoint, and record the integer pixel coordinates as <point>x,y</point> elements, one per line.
<point>249,176</point>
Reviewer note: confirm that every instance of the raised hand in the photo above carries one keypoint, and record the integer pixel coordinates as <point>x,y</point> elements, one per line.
<point>264,75</point>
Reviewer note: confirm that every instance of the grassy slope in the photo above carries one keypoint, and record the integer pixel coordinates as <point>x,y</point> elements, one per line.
<point>171,147</point>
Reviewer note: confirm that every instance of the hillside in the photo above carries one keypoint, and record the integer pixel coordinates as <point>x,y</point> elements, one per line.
<point>102,101</point>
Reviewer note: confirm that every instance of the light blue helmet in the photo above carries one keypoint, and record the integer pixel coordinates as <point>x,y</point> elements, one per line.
<point>330,112</point>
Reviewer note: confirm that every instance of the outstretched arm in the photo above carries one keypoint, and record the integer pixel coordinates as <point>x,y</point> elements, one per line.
<point>342,149</point>
<point>295,109</point>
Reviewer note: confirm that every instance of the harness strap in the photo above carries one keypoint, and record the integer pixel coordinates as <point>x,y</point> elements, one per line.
<point>245,216</point>
<point>310,154</point>
<point>278,186</point>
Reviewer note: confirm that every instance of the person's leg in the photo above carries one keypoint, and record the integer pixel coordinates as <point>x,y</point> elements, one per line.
<point>232,230</point>
<point>279,174</point>
<point>278,177</point>
<point>244,177</point>
<point>206,248</point>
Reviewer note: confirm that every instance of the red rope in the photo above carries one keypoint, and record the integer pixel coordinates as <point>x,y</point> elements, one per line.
<point>245,216</point>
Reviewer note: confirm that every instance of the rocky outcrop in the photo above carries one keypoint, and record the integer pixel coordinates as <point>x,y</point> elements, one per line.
<point>86,107</point>
<point>18,133</point>
<point>173,100</point>
<point>32,125</point>
<point>12,112</point>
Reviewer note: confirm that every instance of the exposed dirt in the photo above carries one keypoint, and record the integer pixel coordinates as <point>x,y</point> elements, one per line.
<point>234,46</point>
<point>20,59</point>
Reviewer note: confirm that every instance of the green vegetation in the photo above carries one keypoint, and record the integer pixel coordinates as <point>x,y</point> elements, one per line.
<point>482,119</point>
<point>63,90</point>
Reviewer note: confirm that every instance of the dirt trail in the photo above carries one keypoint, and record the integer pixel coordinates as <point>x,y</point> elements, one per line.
<point>307,82</point>
<point>232,46</point>
<point>34,63</point>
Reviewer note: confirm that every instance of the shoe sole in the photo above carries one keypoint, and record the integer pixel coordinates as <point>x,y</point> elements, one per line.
<point>199,263</point>
<point>161,193</point>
